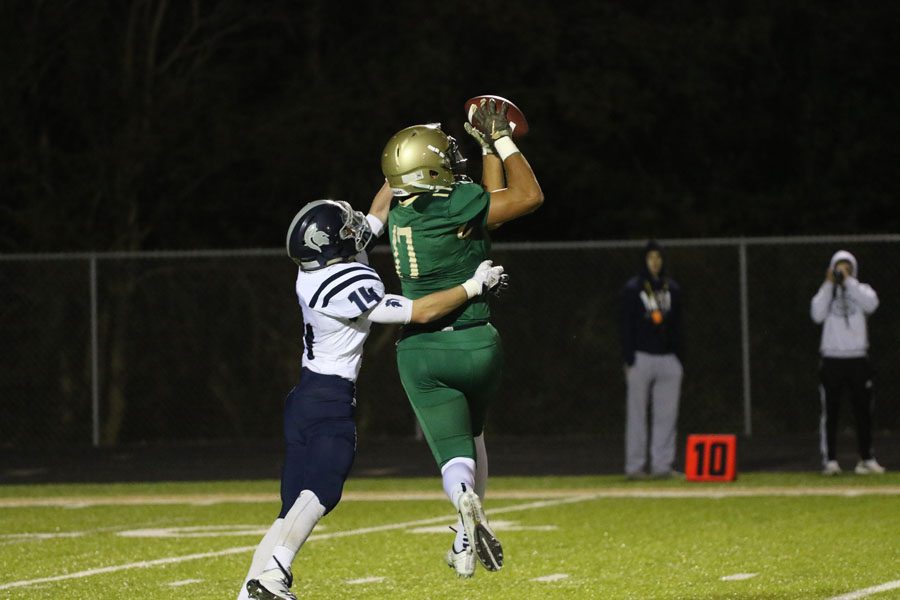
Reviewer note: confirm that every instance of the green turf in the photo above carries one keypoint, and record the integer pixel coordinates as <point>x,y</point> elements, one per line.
<point>810,546</point>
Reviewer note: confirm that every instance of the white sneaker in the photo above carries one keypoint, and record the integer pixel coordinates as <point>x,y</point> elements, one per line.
<point>487,546</point>
<point>869,467</point>
<point>463,562</point>
<point>831,468</point>
<point>274,584</point>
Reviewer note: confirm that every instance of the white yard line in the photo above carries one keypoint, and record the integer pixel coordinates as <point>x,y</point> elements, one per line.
<point>364,580</point>
<point>184,582</point>
<point>242,549</point>
<point>738,577</point>
<point>573,496</point>
<point>869,591</point>
<point>17,538</point>
<point>144,564</point>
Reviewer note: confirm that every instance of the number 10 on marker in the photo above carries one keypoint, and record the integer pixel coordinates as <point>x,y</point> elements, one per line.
<point>710,457</point>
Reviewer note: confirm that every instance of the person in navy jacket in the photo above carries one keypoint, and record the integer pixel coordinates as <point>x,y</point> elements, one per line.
<point>652,344</point>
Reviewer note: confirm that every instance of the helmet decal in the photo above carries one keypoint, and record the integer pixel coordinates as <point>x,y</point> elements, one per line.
<point>315,239</point>
<point>411,177</point>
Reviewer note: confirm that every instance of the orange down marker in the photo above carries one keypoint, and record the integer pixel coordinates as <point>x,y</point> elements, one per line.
<point>711,457</point>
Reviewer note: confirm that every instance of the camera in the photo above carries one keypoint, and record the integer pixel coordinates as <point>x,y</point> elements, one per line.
<point>838,276</point>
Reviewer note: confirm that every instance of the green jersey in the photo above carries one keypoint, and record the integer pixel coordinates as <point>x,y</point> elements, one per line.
<point>438,240</point>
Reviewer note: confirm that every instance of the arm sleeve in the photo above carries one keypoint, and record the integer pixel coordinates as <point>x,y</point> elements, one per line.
<point>376,225</point>
<point>377,228</point>
<point>862,294</point>
<point>392,309</point>
<point>818,307</point>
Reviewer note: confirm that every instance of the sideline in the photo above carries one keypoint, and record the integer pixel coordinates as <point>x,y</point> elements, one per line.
<point>381,496</point>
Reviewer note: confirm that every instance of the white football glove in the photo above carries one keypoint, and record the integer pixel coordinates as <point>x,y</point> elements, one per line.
<point>487,278</point>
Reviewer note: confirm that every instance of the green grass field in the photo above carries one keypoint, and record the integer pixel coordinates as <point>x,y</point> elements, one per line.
<point>764,536</point>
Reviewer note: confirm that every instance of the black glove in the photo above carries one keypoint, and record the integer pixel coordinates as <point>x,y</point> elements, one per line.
<point>491,119</point>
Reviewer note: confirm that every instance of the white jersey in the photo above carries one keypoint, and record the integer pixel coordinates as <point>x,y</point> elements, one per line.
<point>333,300</point>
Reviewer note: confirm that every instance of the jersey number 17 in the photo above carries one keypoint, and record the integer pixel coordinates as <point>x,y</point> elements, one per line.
<point>405,262</point>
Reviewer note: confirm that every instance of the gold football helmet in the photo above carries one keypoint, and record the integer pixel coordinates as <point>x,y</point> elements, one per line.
<point>421,158</point>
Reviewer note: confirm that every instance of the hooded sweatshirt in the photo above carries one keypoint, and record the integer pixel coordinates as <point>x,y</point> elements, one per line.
<point>641,330</point>
<point>843,309</point>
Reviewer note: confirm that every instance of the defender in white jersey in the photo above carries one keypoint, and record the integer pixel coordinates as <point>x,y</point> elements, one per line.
<point>340,296</point>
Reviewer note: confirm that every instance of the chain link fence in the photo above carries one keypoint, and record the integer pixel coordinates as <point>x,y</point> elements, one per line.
<point>123,348</point>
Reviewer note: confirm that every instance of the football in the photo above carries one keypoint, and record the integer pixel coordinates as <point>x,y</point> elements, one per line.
<point>515,115</point>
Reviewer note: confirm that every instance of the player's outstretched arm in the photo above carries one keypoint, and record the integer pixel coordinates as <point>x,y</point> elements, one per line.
<point>434,306</point>
<point>381,203</point>
<point>522,193</point>
<point>399,309</point>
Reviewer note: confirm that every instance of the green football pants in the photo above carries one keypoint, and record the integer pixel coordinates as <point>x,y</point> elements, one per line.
<point>450,378</point>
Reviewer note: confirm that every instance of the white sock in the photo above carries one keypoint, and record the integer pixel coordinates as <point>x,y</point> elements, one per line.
<point>262,554</point>
<point>298,524</point>
<point>481,467</point>
<point>458,476</point>
<point>480,487</point>
<point>284,556</point>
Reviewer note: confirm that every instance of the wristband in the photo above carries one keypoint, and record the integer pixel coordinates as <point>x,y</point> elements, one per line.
<point>375,225</point>
<point>472,287</point>
<point>505,147</point>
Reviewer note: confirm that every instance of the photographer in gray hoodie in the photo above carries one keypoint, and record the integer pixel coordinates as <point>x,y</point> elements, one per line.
<point>842,306</point>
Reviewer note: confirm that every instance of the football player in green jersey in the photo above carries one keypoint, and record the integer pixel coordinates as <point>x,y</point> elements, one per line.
<point>438,227</point>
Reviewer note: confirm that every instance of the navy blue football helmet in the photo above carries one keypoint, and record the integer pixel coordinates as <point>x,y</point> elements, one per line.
<point>326,232</point>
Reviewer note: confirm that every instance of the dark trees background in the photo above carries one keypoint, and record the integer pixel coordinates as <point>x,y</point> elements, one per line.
<point>147,124</point>
<point>161,124</point>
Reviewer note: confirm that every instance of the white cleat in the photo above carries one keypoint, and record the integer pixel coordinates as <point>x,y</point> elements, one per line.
<point>487,546</point>
<point>274,584</point>
<point>831,468</point>
<point>869,467</point>
<point>463,562</point>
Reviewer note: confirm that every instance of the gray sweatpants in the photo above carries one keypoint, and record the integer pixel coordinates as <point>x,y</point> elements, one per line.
<point>655,381</point>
